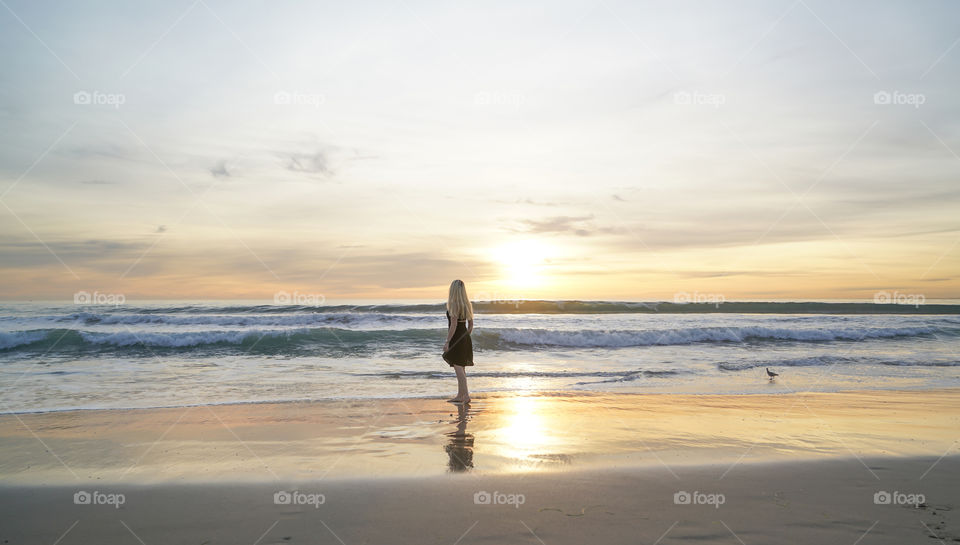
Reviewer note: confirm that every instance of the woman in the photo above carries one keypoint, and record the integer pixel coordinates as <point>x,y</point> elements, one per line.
<point>458,350</point>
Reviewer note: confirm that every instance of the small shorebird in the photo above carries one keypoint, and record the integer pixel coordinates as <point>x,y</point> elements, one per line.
<point>771,374</point>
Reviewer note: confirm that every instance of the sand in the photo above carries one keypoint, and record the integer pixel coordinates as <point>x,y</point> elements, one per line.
<point>797,468</point>
<point>830,501</point>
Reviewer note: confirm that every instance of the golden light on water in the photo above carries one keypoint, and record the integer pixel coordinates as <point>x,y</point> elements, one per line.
<point>524,431</point>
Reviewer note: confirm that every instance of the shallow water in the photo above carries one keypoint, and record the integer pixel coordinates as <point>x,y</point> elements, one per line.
<point>64,356</point>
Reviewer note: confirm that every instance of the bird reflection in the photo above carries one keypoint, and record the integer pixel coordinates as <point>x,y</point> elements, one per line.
<point>460,446</point>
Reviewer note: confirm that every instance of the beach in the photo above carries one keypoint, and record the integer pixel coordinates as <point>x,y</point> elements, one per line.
<point>591,422</point>
<point>838,467</point>
<point>453,273</point>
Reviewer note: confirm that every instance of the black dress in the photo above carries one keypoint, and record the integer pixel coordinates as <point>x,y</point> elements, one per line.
<point>461,347</point>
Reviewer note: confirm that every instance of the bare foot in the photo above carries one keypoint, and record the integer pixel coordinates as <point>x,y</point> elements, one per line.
<point>454,400</point>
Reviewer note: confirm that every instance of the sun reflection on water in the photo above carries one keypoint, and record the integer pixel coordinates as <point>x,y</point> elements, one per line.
<point>524,434</point>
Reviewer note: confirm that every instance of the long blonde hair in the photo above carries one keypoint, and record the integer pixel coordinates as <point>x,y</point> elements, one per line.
<point>458,303</point>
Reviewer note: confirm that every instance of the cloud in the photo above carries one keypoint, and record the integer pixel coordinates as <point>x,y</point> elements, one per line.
<point>88,253</point>
<point>110,151</point>
<point>406,270</point>
<point>581,226</point>
<point>220,170</point>
<point>312,163</point>
<point>528,201</point>
<point>781,55</point>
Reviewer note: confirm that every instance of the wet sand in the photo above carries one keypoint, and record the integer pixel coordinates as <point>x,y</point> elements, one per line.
<point>597,468</point>
<point>827,501</point>
<point>508,433</point>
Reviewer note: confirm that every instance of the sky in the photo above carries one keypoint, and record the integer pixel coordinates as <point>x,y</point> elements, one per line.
<point>580,150</point>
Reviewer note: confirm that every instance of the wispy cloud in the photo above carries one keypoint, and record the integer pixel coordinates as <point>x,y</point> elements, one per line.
<point>317,162</point>
<point>581,226</point>
<point>220,170</point>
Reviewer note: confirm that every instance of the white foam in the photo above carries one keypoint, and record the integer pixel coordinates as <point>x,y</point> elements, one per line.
<point>624,338</point>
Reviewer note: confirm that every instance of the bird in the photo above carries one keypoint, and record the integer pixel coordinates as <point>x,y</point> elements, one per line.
<point>771,374</point>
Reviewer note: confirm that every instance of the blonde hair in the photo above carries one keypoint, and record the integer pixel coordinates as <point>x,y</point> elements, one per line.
<point>458,303</point>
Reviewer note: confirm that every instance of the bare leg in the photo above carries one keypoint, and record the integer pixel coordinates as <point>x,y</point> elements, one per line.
<point>463,394</point>
<point>458,369</point>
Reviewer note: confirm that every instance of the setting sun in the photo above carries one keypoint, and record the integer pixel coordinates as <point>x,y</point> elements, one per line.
<point>523,263</point>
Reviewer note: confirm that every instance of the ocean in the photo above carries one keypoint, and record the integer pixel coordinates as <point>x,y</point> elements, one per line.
<point>57,356</point>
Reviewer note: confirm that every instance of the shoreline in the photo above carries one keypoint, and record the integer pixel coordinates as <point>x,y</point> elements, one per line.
<point>504,433</point>
<point>478,395</point>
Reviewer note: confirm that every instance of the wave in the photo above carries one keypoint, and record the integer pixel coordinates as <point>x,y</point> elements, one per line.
<point>825,360</point>
<point>269,340</point>
<point>333,340</point>
<point>519,374</point>
<point>504,338</point>
<point>308,319</point>
<point>20,338</point>
<point>541,306</point>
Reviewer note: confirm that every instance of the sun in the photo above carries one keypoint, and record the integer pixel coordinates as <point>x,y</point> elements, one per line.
<point>523,262</point>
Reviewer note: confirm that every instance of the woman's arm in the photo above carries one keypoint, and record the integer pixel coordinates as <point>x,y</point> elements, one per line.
<point>469,327</point>
<point>450,331</point>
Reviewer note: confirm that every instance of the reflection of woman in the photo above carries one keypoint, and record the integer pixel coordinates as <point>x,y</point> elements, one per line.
<point>458,350</point>
<point>460,447</point>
